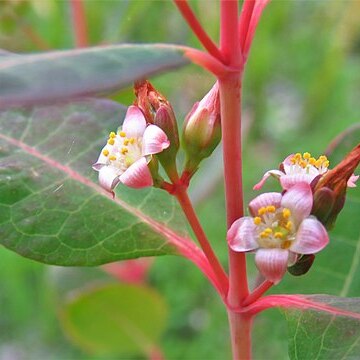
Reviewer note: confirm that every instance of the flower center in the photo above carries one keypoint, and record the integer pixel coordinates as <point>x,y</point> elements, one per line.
<point>307,163</point>
<point>122,151</point>
<point>275,228</point>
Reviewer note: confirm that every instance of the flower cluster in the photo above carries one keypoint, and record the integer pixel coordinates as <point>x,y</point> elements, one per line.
<point>281,228</point>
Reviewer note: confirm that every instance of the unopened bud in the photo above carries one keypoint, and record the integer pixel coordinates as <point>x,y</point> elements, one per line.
<point>158,111</point>
<point>330,190</point>
<point>202,128</point>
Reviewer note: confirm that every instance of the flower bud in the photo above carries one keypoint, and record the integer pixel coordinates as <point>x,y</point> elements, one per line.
<point>330,190</point>
<point>158,111</point>
<point>202,129</point>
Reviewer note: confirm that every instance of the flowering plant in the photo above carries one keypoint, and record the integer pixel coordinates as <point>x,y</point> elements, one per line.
<point>56,211</point>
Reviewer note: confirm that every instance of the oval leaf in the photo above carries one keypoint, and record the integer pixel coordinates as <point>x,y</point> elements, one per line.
<point>115,319</point>
<point>62,75</point>
<point>52,211</point>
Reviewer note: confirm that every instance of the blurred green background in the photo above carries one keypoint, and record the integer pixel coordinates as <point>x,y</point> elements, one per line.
<point>301,89</point>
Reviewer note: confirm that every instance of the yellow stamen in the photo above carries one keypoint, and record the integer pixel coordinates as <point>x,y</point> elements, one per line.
<point>124,150</point>
<point>286,244</point>
<point>105,152</point>
<point>112,157</point>
<point>268,231</point>
<point>264,235</point>
<point>122,133</point>
<point>312,161</point>
<point>111,141</point>
<point>262,211</point>
<point>112,135</point>
<point>257,220</point>
<point>288,225</point>
<point>286,213</point>
<point>132,140</point>
<point>270,208</point>
<point>279,235</point>
<point>306,155</point>
<point>326,163</point>
<point>126,142</point>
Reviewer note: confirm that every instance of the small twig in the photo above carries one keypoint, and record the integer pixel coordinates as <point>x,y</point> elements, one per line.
<point>79,23</point>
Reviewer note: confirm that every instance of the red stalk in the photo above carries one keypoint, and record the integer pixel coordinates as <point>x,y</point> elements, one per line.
<point>240,330</point>
<point>244,21</point>
<point>79,23</point>
<point>193,220</point>
<point>257,293</point>
<point>197,29</point>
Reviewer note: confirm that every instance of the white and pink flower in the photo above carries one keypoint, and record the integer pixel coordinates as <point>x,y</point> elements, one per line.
<point>297,168</point>
<point>279,230</point>
<point>127,153</point>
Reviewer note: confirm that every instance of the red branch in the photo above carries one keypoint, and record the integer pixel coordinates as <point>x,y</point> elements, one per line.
<point>198,30</point>
<point>79,23</point>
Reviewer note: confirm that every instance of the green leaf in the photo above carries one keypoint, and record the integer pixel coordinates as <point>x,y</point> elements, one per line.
<point>321,335</point>
<point>51,208</point>
<point>115,319</point>
<point>62,75</point>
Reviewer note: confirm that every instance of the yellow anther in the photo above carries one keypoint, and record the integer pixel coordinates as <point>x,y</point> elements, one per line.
<point>124,150</point>
<point>293,160</point>
<point>112,135</point>
<point>297,156</point>
<point>264,235</point>
<point>279,235</point>
<point>326,163</point>
<point>322,158</point>
<point>306,155</point>
<point>268,231</point>
<point>111,141</point>
<point>286,213</point>
<point>126,142</point>
<point>303,163</point>
<point>105,152</point>
<point>122,133</point>
<point>112,157</point>
<point>132,140</point>
<point>288,225</point>
<point>318,163</point>
<point>257,220</point>
<point>262,211</point>
<point>286,244</point>
<point>270,208</point>
<point>312,161</point>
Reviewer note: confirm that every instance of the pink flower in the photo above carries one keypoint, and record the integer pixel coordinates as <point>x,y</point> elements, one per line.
<point>297,168</point>
<point>125,156</point>
<point>279,230</point>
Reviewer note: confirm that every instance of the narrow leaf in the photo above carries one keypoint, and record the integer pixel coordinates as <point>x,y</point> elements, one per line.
<point>62,75</point>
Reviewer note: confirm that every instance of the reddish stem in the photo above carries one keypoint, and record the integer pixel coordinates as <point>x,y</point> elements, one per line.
<point>240,330</point>
<point>198,30</point>
<point>244,21</point>
<point>229,37</point>
<point>191,216</point>
<point>257,293</point>
<point>79,23</point>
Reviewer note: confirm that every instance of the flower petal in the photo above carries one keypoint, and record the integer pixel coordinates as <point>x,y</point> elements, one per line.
<point>311,237</point>
<point>134,124</point>
<point>242,235</point>
<point>265,199</point>
<point>276,173</point>
<point>272,263</point>
<point>102,159</point>
<point>137,175</point>
<point>299,200</point>
<point>286,164</point>
<point>109,177</point>
<point>352,180</point>
<point>154,140</point>
<point>288,181</point>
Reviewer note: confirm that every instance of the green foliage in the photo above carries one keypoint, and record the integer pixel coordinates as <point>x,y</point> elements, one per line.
<point>115,319</point>
<point>52,211</point>
<point>55,76</point>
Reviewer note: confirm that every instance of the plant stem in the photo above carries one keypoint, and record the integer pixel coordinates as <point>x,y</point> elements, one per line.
<point>191,216</point>
<point>240,330</point>
<point>198,30</point>
<point>258,292</point>
<point>79,23</point>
